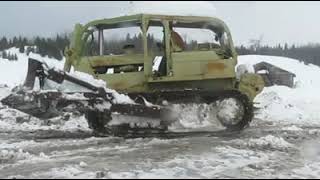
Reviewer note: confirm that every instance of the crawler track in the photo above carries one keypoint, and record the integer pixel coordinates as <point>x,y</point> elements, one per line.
<point>99,122</point>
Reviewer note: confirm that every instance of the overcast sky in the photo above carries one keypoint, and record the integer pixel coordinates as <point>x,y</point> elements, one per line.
<point>276,22</point>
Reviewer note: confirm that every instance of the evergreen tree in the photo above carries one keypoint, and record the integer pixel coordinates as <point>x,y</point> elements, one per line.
<point>3,43</point>
<point>21,48</point>
<point>9,56</point>
<point>15,57</point>
<point>30,49</point>
<point>14,42</point>
<point>4,55</point>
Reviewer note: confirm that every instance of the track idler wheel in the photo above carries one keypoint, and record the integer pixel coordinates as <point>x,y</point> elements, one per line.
<point>234,111</point>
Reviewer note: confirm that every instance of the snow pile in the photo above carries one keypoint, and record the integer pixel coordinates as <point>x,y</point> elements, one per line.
<point>269,141</point>
<point>13,120</point>
<point>298,105</point>
<point>10,156</point>
<point>74,124</point>
<point>186,8</point>
<point>51,62</point>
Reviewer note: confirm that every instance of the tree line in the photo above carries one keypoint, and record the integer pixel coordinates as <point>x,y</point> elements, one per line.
<point>309,53</point>
<point>53,47</point>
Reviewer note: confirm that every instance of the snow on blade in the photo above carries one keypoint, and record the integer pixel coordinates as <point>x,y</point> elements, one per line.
<point>88,78</point>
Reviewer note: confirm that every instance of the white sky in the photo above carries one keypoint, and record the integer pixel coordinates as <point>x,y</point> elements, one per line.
<point>277,22</point>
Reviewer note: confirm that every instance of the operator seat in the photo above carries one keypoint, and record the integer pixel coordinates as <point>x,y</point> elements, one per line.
<point>177,45</point>
<point>177,42</point>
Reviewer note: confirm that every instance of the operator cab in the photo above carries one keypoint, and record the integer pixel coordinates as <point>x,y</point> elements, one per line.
<point>134,51</point>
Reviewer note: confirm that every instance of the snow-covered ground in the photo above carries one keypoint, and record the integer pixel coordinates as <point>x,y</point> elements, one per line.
<point>282,141</point>
<point>12,73</point>
<point>281,104</point>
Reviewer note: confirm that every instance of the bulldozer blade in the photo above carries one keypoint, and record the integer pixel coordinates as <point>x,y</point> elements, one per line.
<point>34,105</point>
<point>50,104</point>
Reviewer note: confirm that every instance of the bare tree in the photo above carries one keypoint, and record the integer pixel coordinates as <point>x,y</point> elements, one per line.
<point>256,43</point>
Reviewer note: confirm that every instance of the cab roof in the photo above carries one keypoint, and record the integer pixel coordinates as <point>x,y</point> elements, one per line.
<point>155,20</point>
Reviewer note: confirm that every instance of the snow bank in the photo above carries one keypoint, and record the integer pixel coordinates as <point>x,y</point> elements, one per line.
<point>305,73</point>
<point>298,105</point>
<point>13,73</point>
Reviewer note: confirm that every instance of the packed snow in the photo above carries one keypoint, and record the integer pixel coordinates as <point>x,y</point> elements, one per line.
<point>269,141</point>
